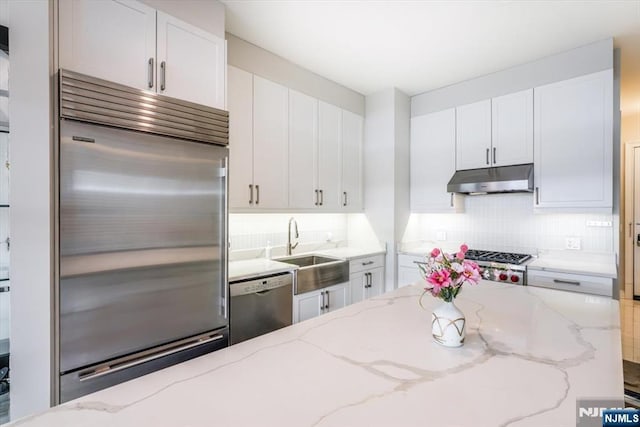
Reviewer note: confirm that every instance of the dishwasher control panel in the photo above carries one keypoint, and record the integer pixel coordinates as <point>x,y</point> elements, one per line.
<point>262,284</point>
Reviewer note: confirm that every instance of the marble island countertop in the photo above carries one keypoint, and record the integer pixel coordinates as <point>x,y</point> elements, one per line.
<point>529,354</point>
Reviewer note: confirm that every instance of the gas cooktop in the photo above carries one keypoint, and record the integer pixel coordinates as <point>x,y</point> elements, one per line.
<point>492,256</point>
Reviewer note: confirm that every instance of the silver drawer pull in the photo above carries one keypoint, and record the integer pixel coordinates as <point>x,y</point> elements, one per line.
<point>567,282</point>
<point>367,263</point>
<point>110,369</point>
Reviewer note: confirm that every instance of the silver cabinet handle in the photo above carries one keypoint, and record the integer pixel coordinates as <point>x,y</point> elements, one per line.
<point>150,73</point>
<point>487,156</point>
<point>369,281</point>
<point>257,194</point>
<point>163,75</point>
<point>321,198</point>
<point>322,302</point>
<point>367,263</point>
<point>344,193</point>
<point>537,196</point>
<point>250,194</point>
<point>328,303</point>
<point>317,199</point>
<point>451,200</point>
<point>494,155</point>
<point>567,282</point>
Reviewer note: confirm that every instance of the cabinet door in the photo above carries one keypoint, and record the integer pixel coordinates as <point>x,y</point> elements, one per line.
<point>573,142</point>
<point>376,282</point>
<point>358,283</point>
<point>433,162</point>
<point>191,62</point>
<point>337,296</point>
<point>270,143</point>
<point>512,129</point>
<point>303,146</point>
<point>352,125</point>
<point>473,135</point>
<point>111,39</point>
<point>329,156</point>
<point>307,306</point>
<point>240,103</point>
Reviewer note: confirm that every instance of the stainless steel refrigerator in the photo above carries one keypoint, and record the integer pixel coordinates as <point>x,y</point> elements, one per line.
<point>142,232</point>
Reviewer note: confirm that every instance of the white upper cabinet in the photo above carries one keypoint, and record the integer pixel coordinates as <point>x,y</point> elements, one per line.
<point>191,62</point>
<point>289,150</point>
<point>573,142</point>
<point>512,129</point>
<point>113,40</point>
<point>352,129</point>
<point>183,61</point>
<point>433,162</point>
<point>303,148</point>
<point>270,144</point>
<point>495,132</point>
<point>473,135</point>
<point>240,104</point>
<point>329,156</point>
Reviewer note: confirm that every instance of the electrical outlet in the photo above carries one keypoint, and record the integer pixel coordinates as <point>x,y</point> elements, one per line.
<point>441,236</point>
<point>573,243</point>
<point>599,224</point>
<point>329,236</point>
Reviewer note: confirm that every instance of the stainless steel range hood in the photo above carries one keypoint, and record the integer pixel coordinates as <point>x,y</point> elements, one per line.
<point>505,179</point>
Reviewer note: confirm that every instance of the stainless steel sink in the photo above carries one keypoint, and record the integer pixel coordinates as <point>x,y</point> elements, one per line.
<point>317,272</point>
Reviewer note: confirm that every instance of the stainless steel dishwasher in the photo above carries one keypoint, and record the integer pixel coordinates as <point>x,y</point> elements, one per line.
<point>260,305</point>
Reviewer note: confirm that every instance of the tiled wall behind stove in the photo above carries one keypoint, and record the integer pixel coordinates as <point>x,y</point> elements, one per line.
<point>507,222</point>
<point>251,231</point>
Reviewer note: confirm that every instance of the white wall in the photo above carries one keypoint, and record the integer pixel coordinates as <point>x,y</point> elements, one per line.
<point>576,62</point>
<point>507,222</point>
<point>256,60</point>
<point>208,15</point>
<point>386,171</point>
<point>31,210</point>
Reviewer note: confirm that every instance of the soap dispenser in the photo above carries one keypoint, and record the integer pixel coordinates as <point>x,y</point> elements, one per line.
<point>267,250</point>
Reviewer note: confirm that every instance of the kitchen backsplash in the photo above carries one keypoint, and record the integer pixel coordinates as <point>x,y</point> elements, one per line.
<point>507,222</point>
<point>251,231</point>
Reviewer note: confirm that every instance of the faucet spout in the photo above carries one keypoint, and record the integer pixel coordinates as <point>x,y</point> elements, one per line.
<point>291,247</point>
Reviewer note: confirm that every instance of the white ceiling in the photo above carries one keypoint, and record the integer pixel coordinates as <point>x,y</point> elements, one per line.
<point>417,45</point>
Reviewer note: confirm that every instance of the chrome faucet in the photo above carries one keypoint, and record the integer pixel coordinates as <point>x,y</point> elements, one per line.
<point>291,247</point>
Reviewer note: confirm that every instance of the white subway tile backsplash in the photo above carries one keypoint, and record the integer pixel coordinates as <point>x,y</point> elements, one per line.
<point>507,222</point>
<point>251,231</point>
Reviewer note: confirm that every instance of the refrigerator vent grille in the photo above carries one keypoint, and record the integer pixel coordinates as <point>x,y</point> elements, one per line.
<point>94,100</point>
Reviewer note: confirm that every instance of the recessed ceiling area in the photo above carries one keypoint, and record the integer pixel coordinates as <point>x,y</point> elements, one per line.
<point>418,46</point>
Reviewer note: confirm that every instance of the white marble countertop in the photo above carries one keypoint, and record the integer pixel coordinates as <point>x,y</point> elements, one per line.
<point>576,262</point>
<point>245,269</point>
<point>350,253</point>
<point>529,354</point>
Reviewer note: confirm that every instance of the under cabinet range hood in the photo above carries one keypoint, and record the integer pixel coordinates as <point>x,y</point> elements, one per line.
<point>504,179</point>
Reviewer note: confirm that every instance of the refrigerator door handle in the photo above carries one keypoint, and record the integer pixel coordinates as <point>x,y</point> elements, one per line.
<point>110,369</point>
<point>637,239</point>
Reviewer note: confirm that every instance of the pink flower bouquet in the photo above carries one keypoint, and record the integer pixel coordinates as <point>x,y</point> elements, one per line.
<point>446,273</point>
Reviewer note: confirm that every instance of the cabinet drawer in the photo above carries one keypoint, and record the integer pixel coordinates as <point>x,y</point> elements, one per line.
<point>366,263</point>
<point>410,260</point>
<point>571,282</point>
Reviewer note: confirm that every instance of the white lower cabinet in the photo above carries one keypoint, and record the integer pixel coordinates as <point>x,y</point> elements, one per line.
<point>366,284</point>
<point>570,282</point>
<point>312,304</point>
<point>366,276</point>
<point>408,271</point>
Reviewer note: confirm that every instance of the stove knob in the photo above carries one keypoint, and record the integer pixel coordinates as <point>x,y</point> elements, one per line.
<point>515,278</point>
<point>503,276</point>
